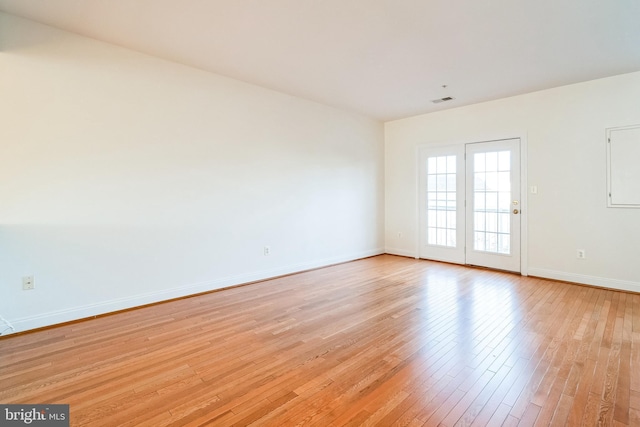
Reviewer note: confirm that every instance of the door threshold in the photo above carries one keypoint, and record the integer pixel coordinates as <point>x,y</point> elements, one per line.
<point>482,267</point>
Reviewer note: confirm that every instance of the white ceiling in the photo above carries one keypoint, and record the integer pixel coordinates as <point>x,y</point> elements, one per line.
<point>383,58</point>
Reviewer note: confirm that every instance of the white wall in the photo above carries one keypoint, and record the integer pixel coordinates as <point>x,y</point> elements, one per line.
<point>126,179</point>
<point>565,132</point>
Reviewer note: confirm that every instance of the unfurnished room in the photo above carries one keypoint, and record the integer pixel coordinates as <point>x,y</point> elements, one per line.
<point>319,212</point>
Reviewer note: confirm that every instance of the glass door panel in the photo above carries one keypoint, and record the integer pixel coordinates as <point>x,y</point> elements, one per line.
<point>493,214</point>
<point>442,204</point>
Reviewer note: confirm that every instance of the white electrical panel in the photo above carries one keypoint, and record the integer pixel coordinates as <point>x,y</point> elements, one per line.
<point>623,167</point>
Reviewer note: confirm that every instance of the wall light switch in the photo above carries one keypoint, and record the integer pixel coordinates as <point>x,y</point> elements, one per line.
<point>28,283</point>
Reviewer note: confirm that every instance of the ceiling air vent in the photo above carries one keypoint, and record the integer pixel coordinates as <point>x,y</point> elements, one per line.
<point>445,99</point>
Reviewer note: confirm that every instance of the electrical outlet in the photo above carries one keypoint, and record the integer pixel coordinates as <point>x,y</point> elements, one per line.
<point>581,254</point>
<point>27,283</point>
<point>267,250</point>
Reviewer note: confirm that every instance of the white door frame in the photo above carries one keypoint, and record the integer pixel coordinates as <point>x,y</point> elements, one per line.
<point>524,203</point>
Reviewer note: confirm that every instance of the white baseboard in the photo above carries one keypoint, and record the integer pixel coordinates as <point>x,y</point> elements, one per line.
<point>401,252</point>
<point>76,313</point>
<point>5,326</point>
<point>623,285</point>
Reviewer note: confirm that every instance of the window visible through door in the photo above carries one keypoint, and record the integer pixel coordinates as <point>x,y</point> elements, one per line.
<point>492,200</point>
<point>441,201</point>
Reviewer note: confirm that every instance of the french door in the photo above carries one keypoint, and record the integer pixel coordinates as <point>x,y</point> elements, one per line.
<point>470,204</point>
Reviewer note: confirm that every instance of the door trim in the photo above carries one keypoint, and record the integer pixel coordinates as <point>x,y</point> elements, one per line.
<point>524,187</point>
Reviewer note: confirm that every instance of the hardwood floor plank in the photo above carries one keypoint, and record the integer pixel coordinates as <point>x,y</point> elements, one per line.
<point>496,400</point>
<point>634,399</point>
<point>634,381</point>
<point>497,417</point>
<point>380,341</point>
<point>623,387</point>
<point>562,413</point>
<point>467,399</point>
<point>635,310</point>
<point>529,416</point>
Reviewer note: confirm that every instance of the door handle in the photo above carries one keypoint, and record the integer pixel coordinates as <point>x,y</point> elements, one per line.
<point>516,211</point>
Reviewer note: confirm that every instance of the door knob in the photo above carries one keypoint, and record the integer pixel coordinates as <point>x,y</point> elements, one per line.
<point>516,211</point>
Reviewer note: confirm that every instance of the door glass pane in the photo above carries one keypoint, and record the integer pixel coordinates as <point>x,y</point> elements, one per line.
<point>492,222</point>
<point>479,240</point>
<point>431,233</point>
<point>451,183</point>
<point>431,218</point>
<point>492,162</point>
<point>492,181</point>
<point>451,220</point>
<point>504,181</point>
<point>451,238</point>
<point>504,244</point>
<point>441,196</point>
<point>504,198</point>
<point>431,184</point>
<point>492,242</point>
<point>478,162</point>
<point>431,163</point>
<point>504,161</point>
<point>491,202</point>
<point>504,224</point>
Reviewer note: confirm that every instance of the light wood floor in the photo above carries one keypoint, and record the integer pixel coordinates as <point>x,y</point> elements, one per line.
<point>381,341</point>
